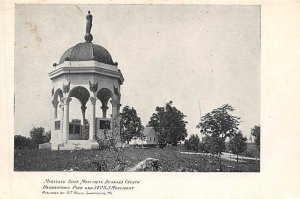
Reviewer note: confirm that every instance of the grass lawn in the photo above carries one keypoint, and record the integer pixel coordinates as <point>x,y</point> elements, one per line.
<point>170,159</point>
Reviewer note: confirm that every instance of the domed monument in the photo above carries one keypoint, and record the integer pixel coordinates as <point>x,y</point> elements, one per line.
<point>86,72</point>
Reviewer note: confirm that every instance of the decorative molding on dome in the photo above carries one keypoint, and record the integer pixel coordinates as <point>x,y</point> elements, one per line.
<point>88,64</point>
<point>95,70</point>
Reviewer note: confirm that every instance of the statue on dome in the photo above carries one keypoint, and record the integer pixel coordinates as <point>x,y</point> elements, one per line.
<point>89,19</point>
<point>88,36</point>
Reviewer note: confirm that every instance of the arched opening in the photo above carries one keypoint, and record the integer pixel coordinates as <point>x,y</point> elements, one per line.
<point>105,111</point>
<point>79,125</point>
<point>104,95</point>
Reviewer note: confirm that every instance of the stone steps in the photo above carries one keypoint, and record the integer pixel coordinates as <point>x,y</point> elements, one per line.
<point>79,144</point>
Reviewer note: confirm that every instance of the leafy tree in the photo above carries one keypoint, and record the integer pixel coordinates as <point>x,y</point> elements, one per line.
<point>193,143</point>
<point>204,144</point>
<point>237,144</point>
<point>22,143</point>
<point>169,124</point>
<point>38,136</point>
<point>214,144</point>
<point>255,131</point>
<point>217,126</point>
<point>130,124</point>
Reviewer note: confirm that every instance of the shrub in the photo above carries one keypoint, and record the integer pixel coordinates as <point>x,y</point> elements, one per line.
<point>193,143</point>
<point>22,143</point>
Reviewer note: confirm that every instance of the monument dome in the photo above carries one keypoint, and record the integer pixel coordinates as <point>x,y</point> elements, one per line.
<point>87,51</point>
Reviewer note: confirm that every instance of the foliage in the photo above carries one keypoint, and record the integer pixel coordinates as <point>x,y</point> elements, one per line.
<point>38,135</point>
<point>130,124</point>
<point>213,144</point>
<point>104,144</point>
<point>47,137</point>
<point>22,143</point>
<point>255,131</point>
<point>193,143</point>
<point>217,126</point>
<point>169,124</point>
<point>110,136</point>
<point>237,144</point>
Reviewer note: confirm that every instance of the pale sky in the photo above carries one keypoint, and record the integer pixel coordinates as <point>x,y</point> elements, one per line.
<point>165,52</point>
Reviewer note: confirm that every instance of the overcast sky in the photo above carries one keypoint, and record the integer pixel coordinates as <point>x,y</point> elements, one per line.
<point>166,52</point>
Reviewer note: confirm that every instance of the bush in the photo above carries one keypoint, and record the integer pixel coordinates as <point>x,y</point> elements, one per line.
<point>22,143</point>
<point>162,145</point>
<point>193,143</point>
<point>104,144</point>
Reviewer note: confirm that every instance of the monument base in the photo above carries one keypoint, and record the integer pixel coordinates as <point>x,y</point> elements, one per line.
<point>77,145</point>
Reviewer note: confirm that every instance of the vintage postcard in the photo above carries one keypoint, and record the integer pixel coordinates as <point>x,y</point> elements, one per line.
<point>164,100</point>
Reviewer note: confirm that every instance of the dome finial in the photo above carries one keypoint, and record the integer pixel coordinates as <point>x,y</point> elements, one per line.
<point>88,36</point>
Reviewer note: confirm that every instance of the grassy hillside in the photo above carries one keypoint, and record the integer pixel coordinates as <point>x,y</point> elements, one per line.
<point>170,159</point>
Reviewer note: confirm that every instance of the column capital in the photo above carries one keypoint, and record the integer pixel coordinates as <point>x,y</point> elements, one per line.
<point>104,108</point>
<point>55,103</point>
<point>93,100</point>
<point>114,102</point>
<point>61,106</point>
<point>66,100</point>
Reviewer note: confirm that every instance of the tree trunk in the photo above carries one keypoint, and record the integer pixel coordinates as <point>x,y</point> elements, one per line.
<point>237,157</point>
<point>220,165</point>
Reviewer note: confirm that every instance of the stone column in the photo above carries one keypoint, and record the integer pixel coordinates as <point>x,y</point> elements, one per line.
<point>83,109</point>
<point>118,118</point>
<point>55,103</point>
<point>115,118</point>
<point>92,123</point>
<point>61,135</point>
<point>114,104</point>
<point>66,101</point>
<point>104,110</point>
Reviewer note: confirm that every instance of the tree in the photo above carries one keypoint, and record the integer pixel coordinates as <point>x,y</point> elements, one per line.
<point>38,136</point>
<point>255,131</point>
<point>130,124</point>
<point>217,126</point>
<point>214,144</point>
<point>237,144</point>
<point>193,143</point>
<point>205,144</point>
<point>169,124</point>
